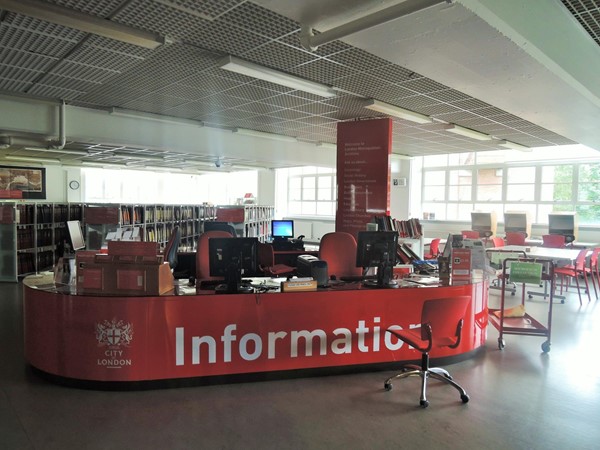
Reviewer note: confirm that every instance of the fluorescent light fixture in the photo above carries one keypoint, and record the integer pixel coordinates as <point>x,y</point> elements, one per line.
<point>466,132</point>
<point>162,169</point>
<point>249,69</point>
<point>513,146</point>
<point>83,22</point>
<point>56,150</point>
<point>118,112</point>
<point>327,145</point>
<point>32,159</point>
<point>396,111</point>
<point>104,165</point>
<point>139,157</point>
<point>262,134</point>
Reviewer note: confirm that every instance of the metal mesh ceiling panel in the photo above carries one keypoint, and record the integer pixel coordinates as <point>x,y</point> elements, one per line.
<point>183,79</point>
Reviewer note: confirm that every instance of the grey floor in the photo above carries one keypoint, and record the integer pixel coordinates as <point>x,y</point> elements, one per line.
<point>520,399</point>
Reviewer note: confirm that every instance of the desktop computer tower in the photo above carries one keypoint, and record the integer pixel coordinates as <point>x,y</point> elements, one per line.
<point>311,266</point>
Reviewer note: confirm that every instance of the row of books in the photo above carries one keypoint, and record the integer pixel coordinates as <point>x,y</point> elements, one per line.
<point>25,263</point>
<point>410,228</point>
<point>25,238</point>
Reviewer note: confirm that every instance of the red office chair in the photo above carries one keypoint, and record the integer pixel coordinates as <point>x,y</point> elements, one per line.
<point>170,251</point>
<point>434,249</point>
<point>338,249</point>
<point>553,241</point>
<point>470,234</point>
<point>441,326</point>
<point>575,271</point>
<point>266,262</point>
<point>515,238</point>
<point>497,242</point>
<point>202,257</point>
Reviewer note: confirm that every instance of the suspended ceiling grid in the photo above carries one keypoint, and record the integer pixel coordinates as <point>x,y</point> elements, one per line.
<point>182,79</point>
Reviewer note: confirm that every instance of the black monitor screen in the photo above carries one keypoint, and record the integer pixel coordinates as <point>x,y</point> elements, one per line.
<point>282,228</point>
<point>231,258</point>
<point>76,235</point>
<point>378,249</point>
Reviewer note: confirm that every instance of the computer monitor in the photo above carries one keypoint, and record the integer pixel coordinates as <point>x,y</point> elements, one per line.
<point>231,258</point>
<point>76,235</point>
<point>378,249</point>
<point>282,229</point>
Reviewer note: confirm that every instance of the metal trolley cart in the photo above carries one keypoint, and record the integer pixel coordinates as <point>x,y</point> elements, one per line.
<point>523,270</point>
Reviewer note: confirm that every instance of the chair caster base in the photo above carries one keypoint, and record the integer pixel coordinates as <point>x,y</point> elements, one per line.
<point>465,398</point>
<point>387,386</point>
<point>424,403</point>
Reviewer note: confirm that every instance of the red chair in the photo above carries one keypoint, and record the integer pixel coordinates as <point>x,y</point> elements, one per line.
<point>434,249</point>
<point>553,241</point>
<point>497,242</point>
<point>202,256</point>
<point>266,262</point>
<point>470,234</point>
<point>339,250</point>
<point>441,326</point>
<point>170,251</point>
<point>575,271</point>
<point>593,271</point>
<point>515,238</point>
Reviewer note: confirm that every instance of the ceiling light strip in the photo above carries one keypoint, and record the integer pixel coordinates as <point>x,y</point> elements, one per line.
<point>249,69</point>
<point>514,146</point>
<point>467,132</point>
<point>84,22</point>
<point>396,111</point>
<point>31,159</point>
<point>262,134</point>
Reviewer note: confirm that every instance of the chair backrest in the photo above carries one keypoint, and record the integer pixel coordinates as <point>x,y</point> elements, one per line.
<point>219,226</point>
<point>443,315</point>
<point>515,238</point>
<point>170,251</point>
<point>202,255</point>
<point>434,247</point>
<point>553,241</point>
<point>594,257</point>
<point>338,249</point>
<point>470,234</point>
<point>266,255</point>
<point>497,242</point>
<point>580,261</point>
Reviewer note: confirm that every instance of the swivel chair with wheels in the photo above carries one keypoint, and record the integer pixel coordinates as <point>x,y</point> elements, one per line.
<point>266,262</point>
<point>339,250</point>
<point>170,251</point>
<point>202,256</point>
<point>441,326</point>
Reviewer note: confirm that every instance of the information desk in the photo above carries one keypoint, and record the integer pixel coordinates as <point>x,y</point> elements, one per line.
<point>121,340</point>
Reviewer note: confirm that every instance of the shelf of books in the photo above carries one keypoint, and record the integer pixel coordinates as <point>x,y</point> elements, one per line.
<point>248,220</point>
<point>32,236</point>
<point>153,223</point>
<point>409,231</point>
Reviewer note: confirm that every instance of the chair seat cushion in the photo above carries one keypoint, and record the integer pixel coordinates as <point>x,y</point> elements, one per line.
<point>413,338</point>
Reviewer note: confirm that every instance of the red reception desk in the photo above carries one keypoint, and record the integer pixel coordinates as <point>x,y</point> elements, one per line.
<point>195,337</point>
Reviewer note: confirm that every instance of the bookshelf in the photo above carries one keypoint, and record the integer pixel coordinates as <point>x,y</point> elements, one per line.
<point>409,231</point>
<point>248,220</point>
<point>32,236</point>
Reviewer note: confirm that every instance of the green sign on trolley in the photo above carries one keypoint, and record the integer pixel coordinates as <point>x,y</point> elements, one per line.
<point>524,272</point>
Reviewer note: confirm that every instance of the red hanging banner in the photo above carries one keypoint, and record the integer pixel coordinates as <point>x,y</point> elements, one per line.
<point>363,173</point>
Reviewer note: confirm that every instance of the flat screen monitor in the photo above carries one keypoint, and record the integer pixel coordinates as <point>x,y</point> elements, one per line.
<point>562,224</point>
<point>231,258</point>
<point>378,249</point>
<point>282,229</point>
<point>76,235</point>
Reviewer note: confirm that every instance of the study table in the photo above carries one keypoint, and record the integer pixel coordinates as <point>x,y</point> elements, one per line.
<point>197,337</point>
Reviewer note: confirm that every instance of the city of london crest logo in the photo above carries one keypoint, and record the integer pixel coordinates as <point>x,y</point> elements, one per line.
<point>114,333</point>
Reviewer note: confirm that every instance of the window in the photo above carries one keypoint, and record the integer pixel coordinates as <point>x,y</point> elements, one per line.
<point>454,185</point>
<point>310,191</point>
